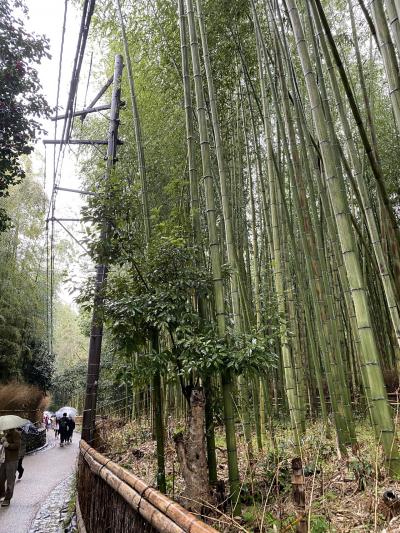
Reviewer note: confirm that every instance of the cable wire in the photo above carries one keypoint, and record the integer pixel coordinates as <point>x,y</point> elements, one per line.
<point>87,13</point>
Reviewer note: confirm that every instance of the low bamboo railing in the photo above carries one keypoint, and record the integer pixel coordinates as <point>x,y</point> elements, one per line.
<point>111,499</point>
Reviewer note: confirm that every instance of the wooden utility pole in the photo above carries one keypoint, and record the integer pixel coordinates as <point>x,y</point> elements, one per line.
<point>96,334</point>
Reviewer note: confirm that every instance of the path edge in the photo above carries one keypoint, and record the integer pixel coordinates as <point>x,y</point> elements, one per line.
<point>79,519</point>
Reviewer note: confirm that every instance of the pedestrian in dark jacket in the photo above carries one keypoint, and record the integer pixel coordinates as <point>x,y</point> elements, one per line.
<point>63,429</point>
<point>12,443</point>
<point>71,427</point>
<point>21,455</point>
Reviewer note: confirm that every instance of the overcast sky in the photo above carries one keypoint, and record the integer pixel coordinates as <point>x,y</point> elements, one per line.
<point>46,17</point>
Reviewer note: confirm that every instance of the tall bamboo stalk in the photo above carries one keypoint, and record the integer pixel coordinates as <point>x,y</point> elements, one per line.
<point>393,22</point>
<point>388,54</point>
<point>232,255</point>
<point>362,189</point>
<point>381,409</point>
<point>227,390</point>
<point>290,381</point>
<point>157,392</point>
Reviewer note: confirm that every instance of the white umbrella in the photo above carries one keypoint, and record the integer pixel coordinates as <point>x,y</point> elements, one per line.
<point>11,421</point>
<point>71,411</point>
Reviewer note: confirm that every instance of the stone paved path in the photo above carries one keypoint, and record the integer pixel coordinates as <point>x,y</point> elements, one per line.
<point>51,515</point>
<point>45,485</point>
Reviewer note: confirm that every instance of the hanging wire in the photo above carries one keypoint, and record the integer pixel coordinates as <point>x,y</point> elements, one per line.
<point>47,264</point>
<point>88,9</point>
<point>88,80</point>
<point>87,13</point>
<point>50,241</point>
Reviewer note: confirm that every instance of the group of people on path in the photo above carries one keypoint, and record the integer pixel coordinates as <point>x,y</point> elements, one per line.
<point>13,449</point>
<point>65,428</point>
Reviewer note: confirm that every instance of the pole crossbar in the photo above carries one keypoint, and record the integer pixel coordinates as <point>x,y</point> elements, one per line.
<point>83,112</point>
<point>51,219</point>
<point>66,189</point>
<point>74,141</point>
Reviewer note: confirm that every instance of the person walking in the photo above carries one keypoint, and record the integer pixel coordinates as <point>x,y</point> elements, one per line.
<point>56,428</point>
<point>63,429</point>
<point>71,427</point>
<point>12,444</point>
<point>21,455</point>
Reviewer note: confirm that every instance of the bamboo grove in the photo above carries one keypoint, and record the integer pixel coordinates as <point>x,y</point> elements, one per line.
<point>255,248</point>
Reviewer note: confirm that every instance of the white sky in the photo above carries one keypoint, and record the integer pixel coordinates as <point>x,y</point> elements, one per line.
<point>46,17</point>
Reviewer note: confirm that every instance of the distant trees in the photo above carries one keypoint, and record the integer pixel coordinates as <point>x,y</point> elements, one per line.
<point>23,301</point>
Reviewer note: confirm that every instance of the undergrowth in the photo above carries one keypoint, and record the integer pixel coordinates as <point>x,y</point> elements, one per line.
<point>343,493</point>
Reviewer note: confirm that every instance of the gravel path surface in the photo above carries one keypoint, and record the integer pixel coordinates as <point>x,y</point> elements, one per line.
<point>46,471</point>
<point>51,515</point>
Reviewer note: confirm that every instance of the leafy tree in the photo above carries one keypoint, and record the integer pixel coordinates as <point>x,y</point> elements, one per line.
<point>70,343</point>
<point>68,383</point>
<point>21,102</point>
<point>38,368</point>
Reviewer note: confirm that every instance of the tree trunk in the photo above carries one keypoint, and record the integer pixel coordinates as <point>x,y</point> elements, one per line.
<point>192,458</point>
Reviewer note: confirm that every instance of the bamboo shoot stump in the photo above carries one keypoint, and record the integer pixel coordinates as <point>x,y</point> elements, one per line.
<point>299,496</point>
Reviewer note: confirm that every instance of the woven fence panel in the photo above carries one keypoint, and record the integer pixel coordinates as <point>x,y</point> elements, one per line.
<point>104,510</point>
<point>35,440</point>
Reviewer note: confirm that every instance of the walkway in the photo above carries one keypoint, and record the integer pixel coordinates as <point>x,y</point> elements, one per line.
<point>44,471</point>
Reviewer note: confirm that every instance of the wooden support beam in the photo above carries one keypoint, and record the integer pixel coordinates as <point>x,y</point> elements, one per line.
<point>83,112</point>
<point>74,141</point>
<point>101,92</point>
<point>89,193</point>
<point>64,219</point>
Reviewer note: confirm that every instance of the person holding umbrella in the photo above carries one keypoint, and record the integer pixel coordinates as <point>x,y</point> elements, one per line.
<point>21,454</point>
<point>64,429</point>
<point>11,444</point>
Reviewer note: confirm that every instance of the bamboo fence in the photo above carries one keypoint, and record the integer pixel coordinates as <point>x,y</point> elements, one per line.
<point>113,499</point>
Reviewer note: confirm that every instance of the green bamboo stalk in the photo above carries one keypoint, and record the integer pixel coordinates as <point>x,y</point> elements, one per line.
<point>263,402</point>
<point>388,54</point>
<point>381,408</point>
<point>225,201</point>
<point>237,281</point>
<point>136,127</point>
<point>363,192</point>
<point>157,393</point>
<point>393,22</point>
<point>257,299</point>
<point>195,215</point>
<point>256,406</point>
<point>215,258</point>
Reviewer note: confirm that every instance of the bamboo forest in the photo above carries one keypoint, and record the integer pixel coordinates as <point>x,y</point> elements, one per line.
<point>216,293</point>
